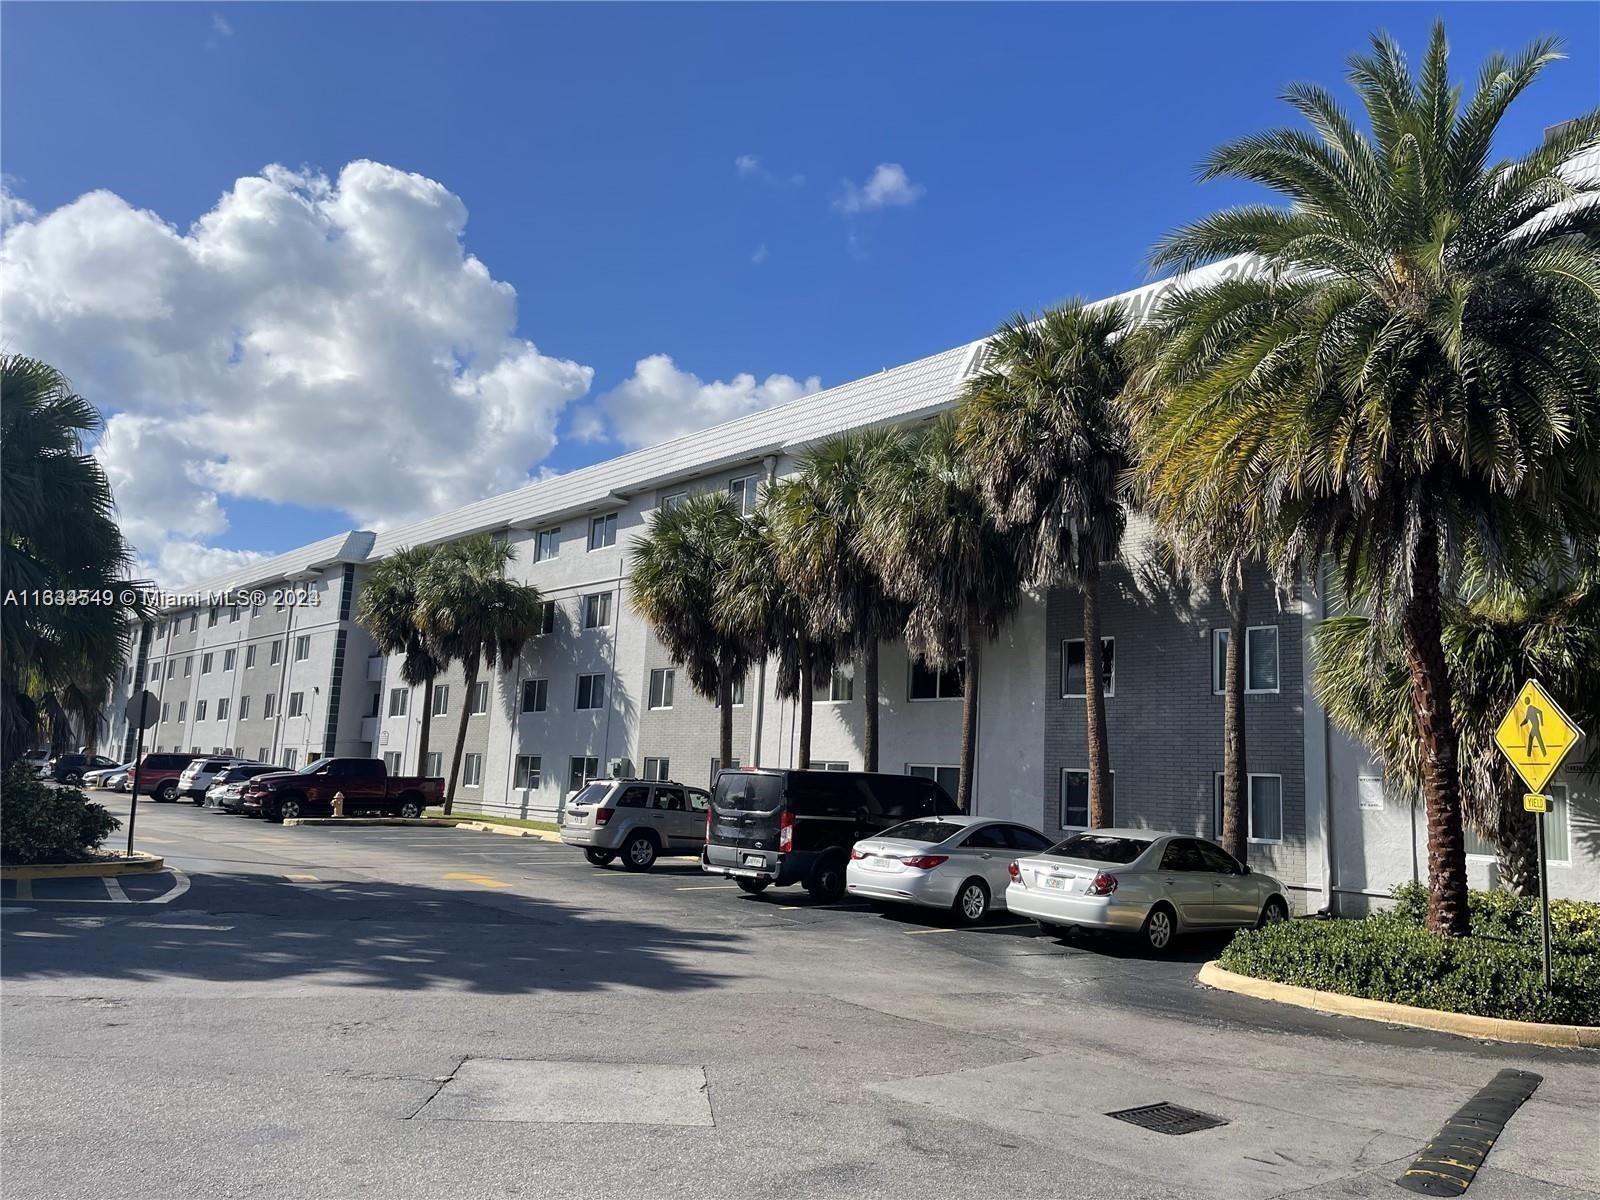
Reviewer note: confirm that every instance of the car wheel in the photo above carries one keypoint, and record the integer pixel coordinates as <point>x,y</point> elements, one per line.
<point>167,792</point>
<point>752,887</point>
<point>1159,929</point>
<point>200,800</point>
<point>972,902</point>
<point>599,858</point>
<point>289,809</point>
<point>639,852</point>
<point>1275,912</point>
<point>72,778</point>
<point>410,809</point>
<point>826,884</point>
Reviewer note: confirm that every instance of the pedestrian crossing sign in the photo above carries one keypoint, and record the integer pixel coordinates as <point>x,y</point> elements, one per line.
<point>1536,735</point>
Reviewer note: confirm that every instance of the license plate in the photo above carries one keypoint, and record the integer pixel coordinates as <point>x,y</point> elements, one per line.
<point>754,860</point>
<point>1055,881</point>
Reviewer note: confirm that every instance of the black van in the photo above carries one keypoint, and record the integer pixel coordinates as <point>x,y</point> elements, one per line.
<point>780,827</point>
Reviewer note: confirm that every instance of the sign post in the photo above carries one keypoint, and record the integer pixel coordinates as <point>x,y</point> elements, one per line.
<point>1536,736</point>
<point>141,711</point>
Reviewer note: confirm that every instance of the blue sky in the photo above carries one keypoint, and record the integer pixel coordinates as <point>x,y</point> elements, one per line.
<point>595,148</point>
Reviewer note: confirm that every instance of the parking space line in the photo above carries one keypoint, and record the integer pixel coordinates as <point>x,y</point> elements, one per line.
<point>302,879</point>
<point>709,887</point>
<point>155,841</point>
<point>488,881</point>
<point>969,929</point>
<point>24,889</point>
<point>114,890</point>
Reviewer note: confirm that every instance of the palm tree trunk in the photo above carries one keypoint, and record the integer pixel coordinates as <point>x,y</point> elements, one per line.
<point>806,700</point>
<point>1517,847</point>
<point>969,718</point>
<point>427,726</point>
<point>725,734</point>
<point>1436,734</point>
<point>1235,777</point>
<point>1100,811</point>
<point>461,732</point>
<point>869,689</point>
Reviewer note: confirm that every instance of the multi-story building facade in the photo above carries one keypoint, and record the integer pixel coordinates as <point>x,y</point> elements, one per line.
<point>294,677</point>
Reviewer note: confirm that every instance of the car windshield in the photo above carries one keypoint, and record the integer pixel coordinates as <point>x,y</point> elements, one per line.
<point>311,767</point>
<point>1098,847</point>
<point>748,792</point>
<point>923,831</point>
<point>592,794</point>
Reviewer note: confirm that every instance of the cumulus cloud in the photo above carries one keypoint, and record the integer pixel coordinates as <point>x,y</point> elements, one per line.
<point>750,166</point>
<point>887,187</point>
<point>660,401</point>
<point>762,253</point>
<point>323,342</point>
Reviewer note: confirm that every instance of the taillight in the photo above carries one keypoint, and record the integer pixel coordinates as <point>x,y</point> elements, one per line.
<point>856,854</point>
<point>925,862</point>
<point>1102,884</point>
<point>602,815</point>
<point>709,811</point>
<point>1014,871</point>
<point>786,831</point>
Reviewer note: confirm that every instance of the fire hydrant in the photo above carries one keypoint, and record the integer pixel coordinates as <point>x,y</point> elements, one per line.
<point>338,804</point>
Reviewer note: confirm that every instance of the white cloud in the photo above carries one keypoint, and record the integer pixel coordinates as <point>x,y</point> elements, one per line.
<point>310,341</point>
<point>220,26</point>
<point>13,208</point>
<point>887,187</point>
<point>659,401</point>
<point>761,255</point>
<point>748,166</point>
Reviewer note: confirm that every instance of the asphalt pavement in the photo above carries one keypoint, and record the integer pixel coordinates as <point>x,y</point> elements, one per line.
<point>417,1012</point>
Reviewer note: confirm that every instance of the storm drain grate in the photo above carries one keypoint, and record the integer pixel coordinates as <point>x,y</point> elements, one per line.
<point>1168,1118</point>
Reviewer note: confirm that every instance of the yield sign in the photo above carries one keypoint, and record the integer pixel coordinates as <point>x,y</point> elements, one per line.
<point>1536,735</point>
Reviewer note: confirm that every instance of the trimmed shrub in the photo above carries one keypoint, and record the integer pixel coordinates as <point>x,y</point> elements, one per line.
<point>40,823</point>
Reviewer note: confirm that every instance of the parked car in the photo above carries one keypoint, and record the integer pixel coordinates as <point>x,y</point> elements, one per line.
<point>957,863</point>
<point>781,827</point>
<point>368,789</point>
<point>37,759</point>
<point>1156,885</point>
<point>158,774</point>
<point>636,818</point>
<point>226,792</point>
<point>70,768</point>
<point>119,781</point>
<point>199,774</point>
<point>100,776</point>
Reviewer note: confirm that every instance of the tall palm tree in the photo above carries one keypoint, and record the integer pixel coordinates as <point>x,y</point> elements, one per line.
<point>58,529</point>
<point>673,583</point>
<point>817,522</point>
<point>1043,426</point>
<point>1411,381</point>
<point>932,538</point>
<point>389,609</point>
<point>472,614</point>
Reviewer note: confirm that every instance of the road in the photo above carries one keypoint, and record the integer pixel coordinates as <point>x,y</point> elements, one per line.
<point>410,1012</point>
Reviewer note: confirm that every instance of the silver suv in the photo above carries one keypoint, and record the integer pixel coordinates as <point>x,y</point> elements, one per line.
<point>637,819</point>
<point>198,776</point>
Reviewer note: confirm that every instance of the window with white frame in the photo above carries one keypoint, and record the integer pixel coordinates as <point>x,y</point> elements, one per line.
<point>547,618</point>
<point>1260,659</point>
<point>949,778</point>
<point>297,703</point>
<point>823,764</point>
<point>230,659</point>
<point>535,695</point>
<point>597,610</point>
<point>199,710</point>
<point>441,699</point>
<point>547,545</point>
<point>1557,831</point>
<point>249,657</point>
<point>716,768</point>
<point>472,770</point>
<point>261,754</point>
<point>172,667</point>
<point>302,648</point>
<point>744,493</point>
<point>602,531</point>
<point>672,500</point>
<point>657,768</point>
<point>188,665</point>
<point>580,770</point>
<point>391,762</point>
<point>166,707</point>
<point>929,684</point>
<point>838,687</point>
<point>661,684</point>
<point>736,694</point>
<point>591,692</point>
<point>205,664</point>
<point>433,764</point>
<point>183,706</point>
<point>1073,676</point>
<point>400,701</point>
<point>211,618</point>
<point>480,698</point>
<point>244,708</point>
<point>529,772</point>
<point>269,705</point>
<point>291,759</point>
<point>274,654</point>
<point>1074,812</point>
<point>1264,808</point>
<point>233,615</point>
<point>194,620</point>
<point>222,709</point>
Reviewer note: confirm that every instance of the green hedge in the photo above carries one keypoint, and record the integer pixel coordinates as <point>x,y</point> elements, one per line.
<point>1495,972</point>
<point>40,823</point>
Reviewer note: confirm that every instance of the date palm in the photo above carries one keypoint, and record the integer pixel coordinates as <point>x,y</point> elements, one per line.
<point>470,613</point>
<point>1043,425</point>
<point>389,609</point>
<point>1410,382</point>
<point>673,583</point>
<point>933,540</point>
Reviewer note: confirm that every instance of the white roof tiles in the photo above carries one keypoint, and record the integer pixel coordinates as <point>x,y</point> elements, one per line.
<point>352,546</point>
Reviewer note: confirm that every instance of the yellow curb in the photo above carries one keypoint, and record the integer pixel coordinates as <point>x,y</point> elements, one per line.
<point>1496,1029</point>
<point>509,830</point>
<point>442,822</point>
<point>139,864</point>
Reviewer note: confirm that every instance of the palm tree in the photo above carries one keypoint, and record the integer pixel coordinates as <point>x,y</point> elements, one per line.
<point>817,522</point>
<point>932,538</point>
<point>1043,427</point>
<point>673,582</point>
<point>470,613</point>
<point>59,532</point>
<point>1410,382</point>
<point>388,608</point>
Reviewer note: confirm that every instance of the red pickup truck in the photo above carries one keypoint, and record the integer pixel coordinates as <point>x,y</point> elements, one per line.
<point>368,790</point>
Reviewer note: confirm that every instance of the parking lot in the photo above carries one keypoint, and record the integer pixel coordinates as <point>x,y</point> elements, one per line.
<point>440,1011</point>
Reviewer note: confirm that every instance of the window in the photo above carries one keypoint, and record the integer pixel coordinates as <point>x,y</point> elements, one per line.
<point>391,761</point>
<point>838,687</point>
<point>302,648</point>
<point>529,772</point>
<point>249,657</point>
<point>928,684</point>
<point>1072,671</point>
<point>949,778</point>
<point>182,705</point>
<point>597,610</point>
<point>199,710</point>
<point>1557,831</point>
<point>716,766</point>
<point>472,770</point>
<point>172,667</point>
<point>658,768</point>
<point>743,493</point>
<point>441,699</point>
<point>297,703</point>
<point>580,771</point>
<point>1075,798</point>
<point>480,698</point>
<point>400,699</point>
<point>165,708</point>
<point>672,501</point>
<point>1260,659</point>
<point>244,708</point>
<point>194,621</point>
<point>535,695</point>
<point>222,709</point>
<point>233,615</point>
<point>661,681</point>
<point>230,659</point>
<point>818,764</point>
<point>261,754</point>
<point>269,705</point>
<point>547,545</point>
<point>591,691</point>
<point>433,764</point>
<point>155,671</point>
<point>275,655</point>
<point>736,694</point>
<point>547,618</point>
<point>205,664</point>
<point>291,759</point>
<point>1264,815</point>
<point>211,618</point>
<point>603,531</point>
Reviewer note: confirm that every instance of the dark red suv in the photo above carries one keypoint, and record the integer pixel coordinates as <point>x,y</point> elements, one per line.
<point>158,774</point>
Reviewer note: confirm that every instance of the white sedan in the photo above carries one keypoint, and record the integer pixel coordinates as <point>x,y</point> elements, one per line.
<point>954,862</point>
<point>1137,881</point>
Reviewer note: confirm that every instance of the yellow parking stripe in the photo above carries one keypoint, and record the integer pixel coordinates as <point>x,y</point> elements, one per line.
<point>302,878</point>
<point>488,881</point>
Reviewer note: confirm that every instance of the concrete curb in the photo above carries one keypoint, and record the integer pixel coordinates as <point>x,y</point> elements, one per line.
<point>509,830</point>
<point>441,822</point>
<point>1495,1029</point>
<point>139,864</point>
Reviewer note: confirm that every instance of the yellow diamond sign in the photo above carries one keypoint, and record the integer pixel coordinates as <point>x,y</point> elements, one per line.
<point>1536,735</point>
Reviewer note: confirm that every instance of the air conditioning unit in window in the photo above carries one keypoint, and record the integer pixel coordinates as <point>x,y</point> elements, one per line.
<point>620,768</point>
